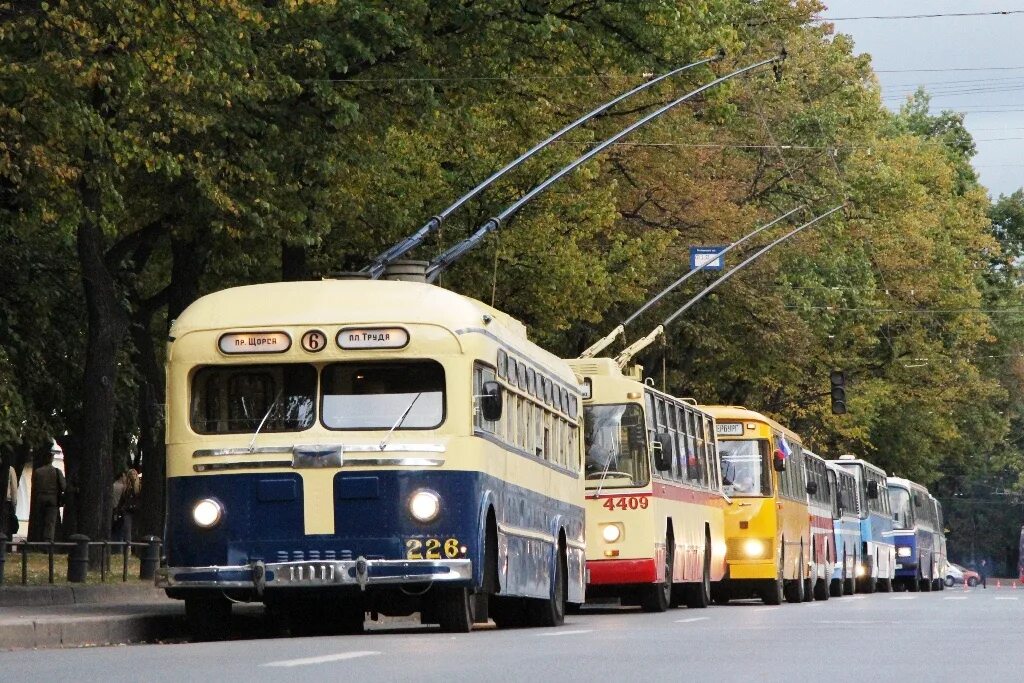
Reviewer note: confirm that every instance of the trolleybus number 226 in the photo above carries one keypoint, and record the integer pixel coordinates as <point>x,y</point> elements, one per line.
<point>626,503</point>
<point>432,548</point>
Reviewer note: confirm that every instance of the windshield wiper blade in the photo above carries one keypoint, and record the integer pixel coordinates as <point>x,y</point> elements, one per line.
<point>252,444</point>
<point>400,421</point>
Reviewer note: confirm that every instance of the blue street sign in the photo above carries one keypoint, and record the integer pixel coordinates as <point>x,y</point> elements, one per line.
<point>709,255</point>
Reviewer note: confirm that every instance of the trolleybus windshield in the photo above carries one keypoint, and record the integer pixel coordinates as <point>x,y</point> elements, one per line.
<point>375,395</point>
<point>745,467</point>
<point>232,399</point>
<point>616,446</point>
<point>899,501</point>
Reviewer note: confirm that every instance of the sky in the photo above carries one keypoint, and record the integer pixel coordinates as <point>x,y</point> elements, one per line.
<point>970,64</point>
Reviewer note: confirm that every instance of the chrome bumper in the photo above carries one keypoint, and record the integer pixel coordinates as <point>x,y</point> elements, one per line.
<point>315,574</point>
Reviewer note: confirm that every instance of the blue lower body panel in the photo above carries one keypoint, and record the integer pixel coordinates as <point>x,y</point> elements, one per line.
<point>262,527</point>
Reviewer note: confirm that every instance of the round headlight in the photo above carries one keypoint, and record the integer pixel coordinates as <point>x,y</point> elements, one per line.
<point>207,513</point>
<point>861,570</point>
<point>611,533</point>
<point>424,505</point>
<point>752,547</point>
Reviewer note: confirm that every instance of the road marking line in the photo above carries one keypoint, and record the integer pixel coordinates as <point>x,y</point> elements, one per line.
<point>1006,598</point>
<point>814,604</point>
<point>323,659</point>
<point>904,597</point>
<point>766,609</point>
<point>690,621</point>
<point>960,597</point>
<point>565,633</point>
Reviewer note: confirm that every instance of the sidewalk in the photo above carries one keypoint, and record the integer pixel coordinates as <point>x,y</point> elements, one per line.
<point>81,615</point>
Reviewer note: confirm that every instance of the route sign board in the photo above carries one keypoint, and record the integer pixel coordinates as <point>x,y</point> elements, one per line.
<point>707,255</point>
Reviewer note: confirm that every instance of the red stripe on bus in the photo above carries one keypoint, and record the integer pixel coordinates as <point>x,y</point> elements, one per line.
<point>616,572</point>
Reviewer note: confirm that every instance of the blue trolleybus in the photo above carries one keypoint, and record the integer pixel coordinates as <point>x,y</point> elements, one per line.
<point>875,560</point>
<point>920,543</point>
<point>346,446</point>
<point>846,522</point>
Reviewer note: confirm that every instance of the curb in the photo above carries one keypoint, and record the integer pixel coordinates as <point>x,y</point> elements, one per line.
<point>42,596</point>
<point>56,631</point>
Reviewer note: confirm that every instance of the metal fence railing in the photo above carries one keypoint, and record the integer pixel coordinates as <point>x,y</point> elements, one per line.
<point>77,549</point>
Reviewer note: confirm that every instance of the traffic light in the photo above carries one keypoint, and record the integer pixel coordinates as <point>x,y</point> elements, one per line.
<point>838,380</point>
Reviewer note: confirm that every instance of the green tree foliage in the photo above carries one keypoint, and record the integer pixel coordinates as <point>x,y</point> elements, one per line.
<point>154,151</point>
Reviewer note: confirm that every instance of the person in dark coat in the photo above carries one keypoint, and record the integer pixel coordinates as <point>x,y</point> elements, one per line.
<point>48,486</point>
<point>983,572</point>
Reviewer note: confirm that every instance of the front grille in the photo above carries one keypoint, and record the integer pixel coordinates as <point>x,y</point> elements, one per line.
<point>304,555</point>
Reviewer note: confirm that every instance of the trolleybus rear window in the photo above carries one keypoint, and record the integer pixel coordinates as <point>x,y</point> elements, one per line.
<point>401,394</point>
<point>616,446</point>
<point>233,399</point>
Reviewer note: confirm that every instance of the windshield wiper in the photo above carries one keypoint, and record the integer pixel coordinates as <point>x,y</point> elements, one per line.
<point>400,421</point>
<point>252,444</point>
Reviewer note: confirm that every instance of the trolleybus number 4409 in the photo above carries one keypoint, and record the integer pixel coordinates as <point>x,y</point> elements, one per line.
<point>626,503</point>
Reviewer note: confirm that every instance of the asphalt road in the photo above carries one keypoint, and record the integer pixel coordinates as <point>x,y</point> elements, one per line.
<point>951,635</point>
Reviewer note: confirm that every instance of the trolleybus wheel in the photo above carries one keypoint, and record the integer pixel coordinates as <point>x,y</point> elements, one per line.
<point>551,611</point>
<point>455,610</point>
<point>208,618</point>
<point>658,596</point>
<point>698,595</point>
<point>720,594</point>
<point>810,586</point>
<point>508,612</point>
<point>926,584</point>
<point>795,588</point>
<point>773,591</point>
<point>885,585</point>
<point>835,588</point>
<point>822,589</point>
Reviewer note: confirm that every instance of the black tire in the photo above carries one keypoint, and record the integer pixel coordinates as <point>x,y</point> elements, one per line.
<point>810,585</point>
<point>885,585</point>
<point>926,584</point>
<point>720,594</point>
<point>950,582</point>
<point>208,618</point>
<point>822,589</point>
<point>657,597</point>
<point>972,582</point>
<point>867,584</point>
<point>795,589</point>
<point>508,612</point>
<point>698,595</point>
<point>772,592</point>
<point>550,611</point>
<point>454,610</point>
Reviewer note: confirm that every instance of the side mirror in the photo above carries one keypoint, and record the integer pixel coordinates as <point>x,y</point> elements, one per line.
<point>664,451</point>
<point>779,461</point>
<point>812,487</point>
<point>872,489</point>
<point>491,402</point>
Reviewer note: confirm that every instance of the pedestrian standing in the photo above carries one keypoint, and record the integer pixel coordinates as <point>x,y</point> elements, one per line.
<point>983,572</point>
<point>10,505</point>
<point>48,487</point>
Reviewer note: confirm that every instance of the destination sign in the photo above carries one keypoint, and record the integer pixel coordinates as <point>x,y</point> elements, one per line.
<point>372,338</point>
<point>729,428</point>
<point>254,342</point>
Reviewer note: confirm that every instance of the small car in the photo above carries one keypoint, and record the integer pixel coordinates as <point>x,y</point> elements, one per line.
<point>956,574</point>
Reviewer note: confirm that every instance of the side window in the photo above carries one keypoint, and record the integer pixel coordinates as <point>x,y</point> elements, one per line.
<point>694,471</point>
<point>482,374</point>
<point>712,478</point>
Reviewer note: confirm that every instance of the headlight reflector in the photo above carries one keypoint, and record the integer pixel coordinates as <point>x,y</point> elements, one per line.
<point>903,551</point>
<point>207,513</point>
<point>424,505</point>
<point>611,533</point>
<point>860,570</point>
<point>753,547</point>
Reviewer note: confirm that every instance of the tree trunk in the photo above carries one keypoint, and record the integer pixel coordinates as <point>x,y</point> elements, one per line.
<point>293,262</point>
<point>187,265</point>
<point>107,323</point>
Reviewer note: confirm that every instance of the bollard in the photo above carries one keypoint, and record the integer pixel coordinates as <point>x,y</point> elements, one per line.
<point>150,558</point>
<point>78,559</point>
<point>3,555</point>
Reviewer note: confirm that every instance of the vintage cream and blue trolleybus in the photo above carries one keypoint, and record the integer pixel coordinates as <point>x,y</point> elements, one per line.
<point>345,446</point>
